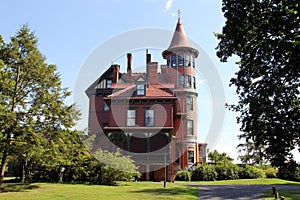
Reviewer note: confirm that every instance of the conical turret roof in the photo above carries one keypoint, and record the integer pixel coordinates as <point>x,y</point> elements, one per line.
<point>179,37</point>
<point>179,40</point>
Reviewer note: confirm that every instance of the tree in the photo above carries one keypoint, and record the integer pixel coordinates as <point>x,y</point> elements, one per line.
<point>32,107</point>
<point>217,157</point>
<point>251,153</point>
<point>265,35</point>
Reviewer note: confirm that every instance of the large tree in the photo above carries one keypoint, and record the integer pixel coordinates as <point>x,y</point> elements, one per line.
<point>32,108</point>
<point>265,35</point>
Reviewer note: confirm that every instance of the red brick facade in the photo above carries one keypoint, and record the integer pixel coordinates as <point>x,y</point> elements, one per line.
<point>151,116</point>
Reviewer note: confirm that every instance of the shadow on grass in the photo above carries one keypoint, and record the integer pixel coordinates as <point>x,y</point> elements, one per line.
<point>18,187</point>
<point>173,191</point>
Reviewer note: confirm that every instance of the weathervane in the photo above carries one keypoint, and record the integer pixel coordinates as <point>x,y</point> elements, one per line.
<point>179,12</point>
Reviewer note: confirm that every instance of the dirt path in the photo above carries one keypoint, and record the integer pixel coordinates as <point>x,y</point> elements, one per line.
<point>240,192</point>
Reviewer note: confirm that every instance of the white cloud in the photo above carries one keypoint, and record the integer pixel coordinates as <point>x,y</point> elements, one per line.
<point>168,4</point>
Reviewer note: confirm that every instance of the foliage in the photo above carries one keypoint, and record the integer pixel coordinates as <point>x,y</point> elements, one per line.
<point>227,171</point>
<point>204,172</point>
<point>217,157</point>
<point>251,154</point>
<point>250,171</point>
<point>32,109</point>
<point>265,36</point>
<point>271,172</point>
<point>290,172</point>
<point>183,175</point>
<point>36,133</point>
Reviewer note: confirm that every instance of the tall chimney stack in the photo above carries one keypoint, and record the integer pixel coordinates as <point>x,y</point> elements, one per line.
<point>129,63</point>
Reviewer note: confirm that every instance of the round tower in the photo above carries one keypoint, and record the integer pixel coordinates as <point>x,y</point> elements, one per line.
<point>180,58</point>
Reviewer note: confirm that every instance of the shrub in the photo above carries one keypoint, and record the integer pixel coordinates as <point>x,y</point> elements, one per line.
<point>204,172</point>
<point>271,172</point>
<point>249,172</point>
<point>183,175</point>
<point>227,171</point>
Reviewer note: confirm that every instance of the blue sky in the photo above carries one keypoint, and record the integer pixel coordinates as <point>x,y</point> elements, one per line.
<point>69,31</point>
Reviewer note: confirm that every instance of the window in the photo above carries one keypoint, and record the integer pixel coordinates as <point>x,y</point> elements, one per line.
<point>168,60</point>
<point>105,106</point>
<point>193,59</point>
<point>173,61</point>
<point>191,157</point>
<point>187,61</point>
<point>131,117</point>
<point>181,80</point>
<point>108,83</point>
<point>194,82</point>
<point>149,117</point>
<point>189,103</point>
<point>140,89</point>
<point>189,127</point>
<point>188,81</point>
<point>180,60</point>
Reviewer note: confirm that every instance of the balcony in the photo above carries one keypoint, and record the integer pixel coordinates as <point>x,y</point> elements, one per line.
<point>150,158</point>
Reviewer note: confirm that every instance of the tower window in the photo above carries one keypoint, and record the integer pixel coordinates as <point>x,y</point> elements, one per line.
<point>194,82</point>
<point>188,81</point>
<point>173,60</point>
<point>131,116</point>
<point>149,117</point>
<point>168,60</point>
<point>187,61</point>
<point>181,80</point>
<point>193,60</point>
<point>191,157</point>
<point>180,60</point>
<point>189,103</point>
<point>189,127</point>
<point>140,89</point>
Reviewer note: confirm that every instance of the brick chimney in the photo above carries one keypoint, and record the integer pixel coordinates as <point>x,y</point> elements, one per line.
<point>152,72</point>
<point>116,71</point>
<point>129,63</point>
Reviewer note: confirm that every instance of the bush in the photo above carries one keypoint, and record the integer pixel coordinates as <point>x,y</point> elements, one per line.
<point>249,172</point>
<point>204,172</point>
<point>183,175</point>
<point>227,171</point>
<point>271,172</point>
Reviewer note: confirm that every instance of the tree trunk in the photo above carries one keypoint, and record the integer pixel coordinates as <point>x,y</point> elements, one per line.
<point>2,168</point>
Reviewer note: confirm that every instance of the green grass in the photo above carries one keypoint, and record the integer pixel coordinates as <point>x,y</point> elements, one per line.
<point>288,194</point>
<point>260,181</point>
<point>125,190</point>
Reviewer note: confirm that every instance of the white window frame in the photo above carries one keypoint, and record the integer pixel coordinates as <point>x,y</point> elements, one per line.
<point>149,117</point>
<point>131,117</point>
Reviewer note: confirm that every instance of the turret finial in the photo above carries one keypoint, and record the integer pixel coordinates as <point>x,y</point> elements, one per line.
<point>178,12</point>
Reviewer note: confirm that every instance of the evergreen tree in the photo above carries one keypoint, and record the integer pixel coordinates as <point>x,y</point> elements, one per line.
<point>32,99</point>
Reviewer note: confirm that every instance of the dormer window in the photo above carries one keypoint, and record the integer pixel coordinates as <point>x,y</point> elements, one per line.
<point>140,89</point>
<point>108,83</point>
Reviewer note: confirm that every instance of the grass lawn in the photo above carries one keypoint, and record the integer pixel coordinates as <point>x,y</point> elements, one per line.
<point>259,181</point>
<point>288,194</point>
<point>125,190</point>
